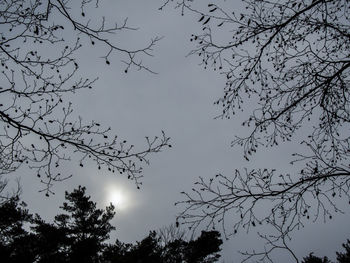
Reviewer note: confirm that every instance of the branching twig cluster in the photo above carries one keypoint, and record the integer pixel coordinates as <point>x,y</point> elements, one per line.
<point>292,58</point>
<point>38,70</point>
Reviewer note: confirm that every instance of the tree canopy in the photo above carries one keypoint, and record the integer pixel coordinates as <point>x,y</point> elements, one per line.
<point>342,257</point>
<point>82,232</point>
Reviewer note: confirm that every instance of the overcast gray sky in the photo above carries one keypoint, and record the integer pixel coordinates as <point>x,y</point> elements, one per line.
<point>178,100</point>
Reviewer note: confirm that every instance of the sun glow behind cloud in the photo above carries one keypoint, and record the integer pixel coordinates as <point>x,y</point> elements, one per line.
<point>118,196</point>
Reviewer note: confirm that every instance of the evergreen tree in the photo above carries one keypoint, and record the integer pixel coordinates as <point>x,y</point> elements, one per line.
<point>313,259</point>
<point>344,257</point>
<point>84,229</point>
<point>204,249</point>
<point>80,234</point>
<point>15,241</point>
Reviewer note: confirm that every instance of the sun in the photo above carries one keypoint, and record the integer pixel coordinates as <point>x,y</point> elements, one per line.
<point>118,197</point>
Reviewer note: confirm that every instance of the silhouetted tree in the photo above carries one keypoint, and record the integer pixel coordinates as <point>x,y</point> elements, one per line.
<point>170,233</point>
<point>15,241</point>
<point>204,249</point>
<point>313,259</point>
<point>118,252</point>
<point>287,64</point>
<point>175,251</point>
<point>77,236</point>
<point>52,244</point>
<point>344,257</point>
<point>39,41</point>
<point>81,233</point>
<point>147,250</point>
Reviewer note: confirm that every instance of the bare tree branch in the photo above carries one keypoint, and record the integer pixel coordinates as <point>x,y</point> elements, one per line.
<point>290,60</point>
<point>39,71</point>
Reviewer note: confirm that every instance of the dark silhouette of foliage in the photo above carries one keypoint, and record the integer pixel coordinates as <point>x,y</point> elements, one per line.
<point>39,41</point>
<point>208,243</point>
<point>313,259</point>
<point>175,251</point>
<point>286,64</point>
<point>344,257</point>
<point>170,233</point>
<point>204,249</point>
<point>147,250</point>
<point>14,239</point>
<point>81,233</point>
<point>78,235</point>
<point>51,243</point>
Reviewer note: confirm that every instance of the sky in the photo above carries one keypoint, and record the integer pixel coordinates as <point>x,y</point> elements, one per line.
<point>179,100</point>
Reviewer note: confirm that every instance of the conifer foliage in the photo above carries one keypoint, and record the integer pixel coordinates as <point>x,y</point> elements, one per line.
<point>81,232</point>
